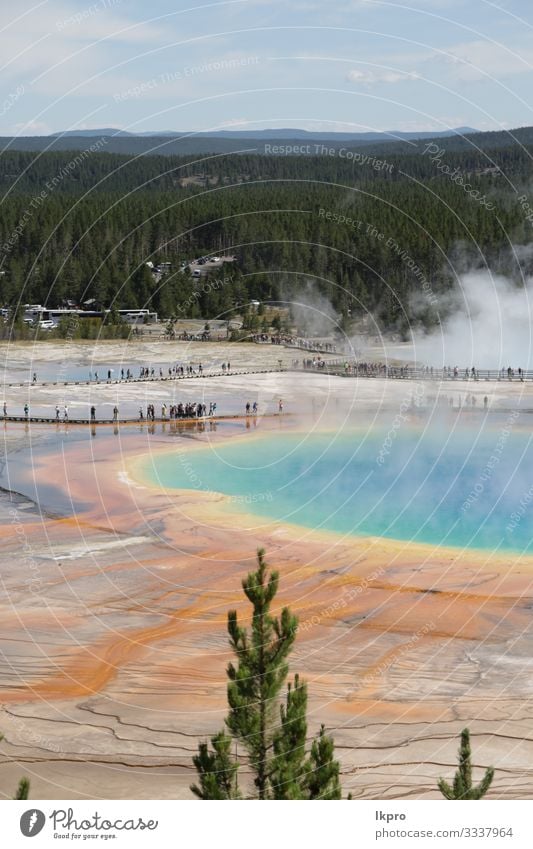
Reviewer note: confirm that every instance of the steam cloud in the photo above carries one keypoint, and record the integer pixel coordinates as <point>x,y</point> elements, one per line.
<point>488,324</point>
<point>312,311</point>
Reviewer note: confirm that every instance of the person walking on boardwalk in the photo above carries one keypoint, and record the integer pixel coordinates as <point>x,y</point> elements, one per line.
<point>35,377</point>
<point>26,410</point>
<point>93,414</point>
<point>5,410</point>
<point>57,412</point>
<point>280,406</point>
<point>141,414</point>
<point>247,408</point>
<point>254,408</point>
<point>164,411</point>
<point>115,413</point>
<point>65,413</point>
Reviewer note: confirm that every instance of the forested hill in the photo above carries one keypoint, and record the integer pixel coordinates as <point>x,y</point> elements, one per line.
<point>76,172</point>
<point>372,234</point>
<point>199,145</point>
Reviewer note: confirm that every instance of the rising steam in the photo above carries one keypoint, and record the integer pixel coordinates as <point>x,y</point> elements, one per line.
<point>488,324</point>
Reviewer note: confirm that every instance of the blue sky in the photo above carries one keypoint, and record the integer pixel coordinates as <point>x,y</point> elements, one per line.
<point>350,65</point>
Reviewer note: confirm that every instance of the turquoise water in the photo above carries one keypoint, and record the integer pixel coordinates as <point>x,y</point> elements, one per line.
<point>468,488</point>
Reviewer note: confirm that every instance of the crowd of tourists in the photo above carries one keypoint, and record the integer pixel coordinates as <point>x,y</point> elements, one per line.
<point>190,410</point>
<point>152,373</point>
<point>293,342</point>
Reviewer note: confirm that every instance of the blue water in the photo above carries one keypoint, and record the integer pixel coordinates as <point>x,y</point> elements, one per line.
<point>470,488</point>
<point>68,371</point>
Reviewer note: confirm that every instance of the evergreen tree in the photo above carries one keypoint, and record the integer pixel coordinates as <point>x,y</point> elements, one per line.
<point>289,765</point>
<point>276,750</point>
<point>217,770</point>
<point>323,773</point>
<point>462,783</point>
<point>95,244</point>
<point>23,790</point>
<point>256,681</point>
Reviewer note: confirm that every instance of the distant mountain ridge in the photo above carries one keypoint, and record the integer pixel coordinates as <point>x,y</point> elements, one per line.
<point>281,134</point>
<point>228,142</point>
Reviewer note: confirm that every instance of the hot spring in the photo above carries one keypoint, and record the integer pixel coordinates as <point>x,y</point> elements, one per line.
<point>467,486</point>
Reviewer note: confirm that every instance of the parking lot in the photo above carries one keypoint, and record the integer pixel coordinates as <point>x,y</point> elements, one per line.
<point>205,265</point>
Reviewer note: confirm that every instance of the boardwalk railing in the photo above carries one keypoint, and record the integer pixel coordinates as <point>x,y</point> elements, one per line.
<point>126,381</point>
<point>178,423</point>
<point>339,368</point>
<point>347,368</point>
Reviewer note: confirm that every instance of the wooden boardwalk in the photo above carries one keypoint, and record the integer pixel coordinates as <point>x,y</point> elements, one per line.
<point>190,420</point>
<point>127,381</point>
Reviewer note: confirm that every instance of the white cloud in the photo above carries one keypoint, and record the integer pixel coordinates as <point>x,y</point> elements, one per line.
<point>475,60</point>
<point>386,5</point>
<point>31,128</point>
<point>235,122</point>
<point>376,77</point>
<point>77,41</point>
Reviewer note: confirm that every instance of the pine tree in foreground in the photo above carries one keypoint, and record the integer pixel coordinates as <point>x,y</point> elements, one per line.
<point>256,681</point>
<point>217,770</point>
<point>462,782</point>
<point>272,735</point>
<point>23,789</point>
<point>323,771</point>
<point>288,770</point>
<point>292,774</point>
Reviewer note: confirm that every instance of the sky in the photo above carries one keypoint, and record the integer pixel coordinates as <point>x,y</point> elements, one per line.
<point>337,65</point>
